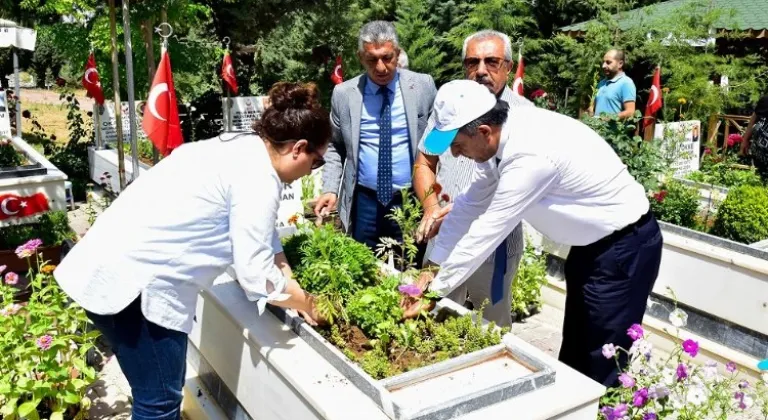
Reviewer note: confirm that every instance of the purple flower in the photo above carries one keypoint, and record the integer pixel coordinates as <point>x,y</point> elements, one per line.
<point>614,413</point>
<point>44,342</point>
<point>682,372</point>
<point>410,289</point>
<point>691,347</point>
<point>29,248</point>
<point>743,384</point>
<point>11,278</point>
<point>635,332</point>
<point>626,380</point>
<point>650,416</point>
<point>730,367</point>
<point>640,397</point>
<point>609,351</point>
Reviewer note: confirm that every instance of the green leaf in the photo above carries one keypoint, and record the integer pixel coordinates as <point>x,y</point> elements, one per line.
<point>5,388</point>
<point>79,384</point>
<point>9,407</point>
<point>57,415</point>
<point>24,383</point>
<point>29,407</point>
<point>71,398</point>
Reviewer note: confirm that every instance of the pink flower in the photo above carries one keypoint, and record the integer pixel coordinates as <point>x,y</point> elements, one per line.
<point>691,347</point>
<point>10,310</point>
<point>609,351</point>
<point>410,289</point>
<point>640,397</point>
<point>682,372</point>
<point>44,342</point>
<point>707,151</point>
<point>29,248</point>
<point>635,332</point>
<point>660,196</point>
<point>734,138</point>
<point>2,268</point>
<point>11,278</point>
<point>626,380</point>
<point>730,367</point>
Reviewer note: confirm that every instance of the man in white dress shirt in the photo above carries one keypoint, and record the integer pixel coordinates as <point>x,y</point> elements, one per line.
<point>566,181</point>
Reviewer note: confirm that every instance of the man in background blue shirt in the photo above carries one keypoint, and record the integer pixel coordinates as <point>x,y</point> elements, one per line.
<point>616,93</point>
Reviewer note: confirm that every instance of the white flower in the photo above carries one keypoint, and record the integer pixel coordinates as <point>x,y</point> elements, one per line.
<point>669,376</point>
<point>677,401</point>
<point>748,401</point>
<point>710,373</point>
<point>678,318</point>
<point>641,346</point>
<point>696,395</point>
<point>765,377</point>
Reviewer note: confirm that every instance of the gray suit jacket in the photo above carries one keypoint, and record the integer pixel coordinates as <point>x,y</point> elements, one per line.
<point>340,171</point>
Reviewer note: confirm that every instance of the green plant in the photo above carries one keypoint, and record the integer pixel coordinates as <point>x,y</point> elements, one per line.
<point>9,157</point>
<point>676,203</point>
<point>43,372</point>
<point>530,277</point>
<point>644,159</point>
<point>376,309</point>
<point>719,170</point>
<point>72,158</point>
<point>307,189</point>
<point>407,217</point>
<point>331,265</point>
<point>743,215</point>
<point>51,227</point>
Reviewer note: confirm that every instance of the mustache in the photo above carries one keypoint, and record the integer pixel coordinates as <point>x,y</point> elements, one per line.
<point>483,80</point>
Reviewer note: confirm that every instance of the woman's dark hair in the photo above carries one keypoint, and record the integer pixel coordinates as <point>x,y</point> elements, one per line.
<point>497,116</point>
<point>294,114</point>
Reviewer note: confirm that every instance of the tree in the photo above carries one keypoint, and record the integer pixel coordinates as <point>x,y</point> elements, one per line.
<point>417,38</point>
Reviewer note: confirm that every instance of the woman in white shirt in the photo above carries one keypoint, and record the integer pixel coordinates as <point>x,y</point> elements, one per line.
<point>209,205</point>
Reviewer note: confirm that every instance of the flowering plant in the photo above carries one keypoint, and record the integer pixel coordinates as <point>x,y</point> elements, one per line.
<point>43,344</point>
<point>673,387</point>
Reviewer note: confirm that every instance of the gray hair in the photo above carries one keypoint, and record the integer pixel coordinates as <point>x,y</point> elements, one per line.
<point>402,60</point>
<point>377,32</point>
<point>488,34</point>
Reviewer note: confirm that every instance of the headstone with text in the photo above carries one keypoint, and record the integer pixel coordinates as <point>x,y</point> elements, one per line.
<point>290,204</point>
<point>245,111</point>
<point>686,136</point>
<point>5,121</point>
<point>107,123</point>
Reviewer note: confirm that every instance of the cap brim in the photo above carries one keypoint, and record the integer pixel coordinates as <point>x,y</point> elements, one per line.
<point>437,142</point>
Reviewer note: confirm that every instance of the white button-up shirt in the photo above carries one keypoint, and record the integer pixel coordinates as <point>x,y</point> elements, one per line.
<point>209,205</point>
<point>554,172</point>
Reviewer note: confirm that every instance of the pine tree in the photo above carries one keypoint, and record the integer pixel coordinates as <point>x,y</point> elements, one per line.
<point>417,38</point>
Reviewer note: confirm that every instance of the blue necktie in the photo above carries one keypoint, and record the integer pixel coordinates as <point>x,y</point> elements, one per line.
<point>499,269</point>
<point>384,178</point>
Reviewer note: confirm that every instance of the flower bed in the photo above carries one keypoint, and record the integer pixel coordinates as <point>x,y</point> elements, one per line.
<point>51,228</point>
<point>656,386</point>
<point>15,163</point>
<point>43,343</point>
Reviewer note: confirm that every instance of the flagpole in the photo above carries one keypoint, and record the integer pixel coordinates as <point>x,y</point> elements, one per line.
<point>131,98</point>
<point>228,104</point>
<point>118,105</point>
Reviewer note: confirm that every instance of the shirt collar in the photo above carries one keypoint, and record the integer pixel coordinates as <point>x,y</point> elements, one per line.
<point>372,88</point>
<point>617,77</point>
<point>503,137</point>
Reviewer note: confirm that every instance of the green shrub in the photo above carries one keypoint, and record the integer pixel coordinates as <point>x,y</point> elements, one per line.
<point>676,203</point>
<point>743,216</point>
<point>52,228</point>
<point>376,309</point>
<point>530,277</point>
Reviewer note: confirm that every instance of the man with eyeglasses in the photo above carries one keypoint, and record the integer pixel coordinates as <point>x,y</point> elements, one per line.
<point>487,59</point>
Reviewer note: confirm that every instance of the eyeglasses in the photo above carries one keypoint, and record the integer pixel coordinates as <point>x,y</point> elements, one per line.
<point>491,63</point>
<point>318,161</point>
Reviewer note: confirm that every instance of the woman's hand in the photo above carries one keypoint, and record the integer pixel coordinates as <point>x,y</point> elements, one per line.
<point>312,315</point>
<point>412,306</point>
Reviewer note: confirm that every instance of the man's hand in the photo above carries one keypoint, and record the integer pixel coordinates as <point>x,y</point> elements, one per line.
<point>413,306</point>
<point>326,203</point>
<point>430,223</point>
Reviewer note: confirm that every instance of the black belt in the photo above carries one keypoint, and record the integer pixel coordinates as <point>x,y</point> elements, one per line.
<point>627,229</point>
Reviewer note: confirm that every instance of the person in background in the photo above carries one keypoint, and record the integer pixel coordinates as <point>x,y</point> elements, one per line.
<point>487,58</point>
<point>402,60</point>
<point>755,140</point>
<point>616,94</point>
<point>377,119</point>
<point>567,182</point>
<point>138,270</point>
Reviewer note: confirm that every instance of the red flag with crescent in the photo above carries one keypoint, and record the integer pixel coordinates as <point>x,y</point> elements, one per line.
<point>654,99</point>
<point>161,113</point>
<point>517,85</point>
<point>91,81</point>
<point>338,72</point>
<point>16,206</point>
<point>228,73</point>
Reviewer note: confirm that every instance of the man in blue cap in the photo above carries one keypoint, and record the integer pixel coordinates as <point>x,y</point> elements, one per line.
<point>567,182</point>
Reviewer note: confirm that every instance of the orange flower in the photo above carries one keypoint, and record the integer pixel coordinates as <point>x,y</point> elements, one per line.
<point>48,269</point>
<point>293,219</point>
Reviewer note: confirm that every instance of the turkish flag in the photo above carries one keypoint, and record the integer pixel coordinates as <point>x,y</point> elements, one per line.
<point>338,72</point>
<point>654,99</point>
<point>228,73</point>
<point>91,81</point>
<point>517,85</point>
<point>16,206</point>
<point>161,113</point>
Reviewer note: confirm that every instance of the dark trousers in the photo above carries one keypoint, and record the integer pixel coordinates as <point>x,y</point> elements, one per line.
<point>608,284</point>
<point>152,358</point>
<point>371,221</point>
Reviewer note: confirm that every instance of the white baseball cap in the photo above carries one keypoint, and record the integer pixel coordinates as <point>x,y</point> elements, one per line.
<point>457,104</point>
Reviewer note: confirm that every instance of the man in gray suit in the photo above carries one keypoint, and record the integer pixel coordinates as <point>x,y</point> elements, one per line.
<point>487,59</point>
<point>377,119</point>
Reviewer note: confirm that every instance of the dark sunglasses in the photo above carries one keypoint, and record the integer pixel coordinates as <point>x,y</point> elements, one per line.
<point>491,63</point>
